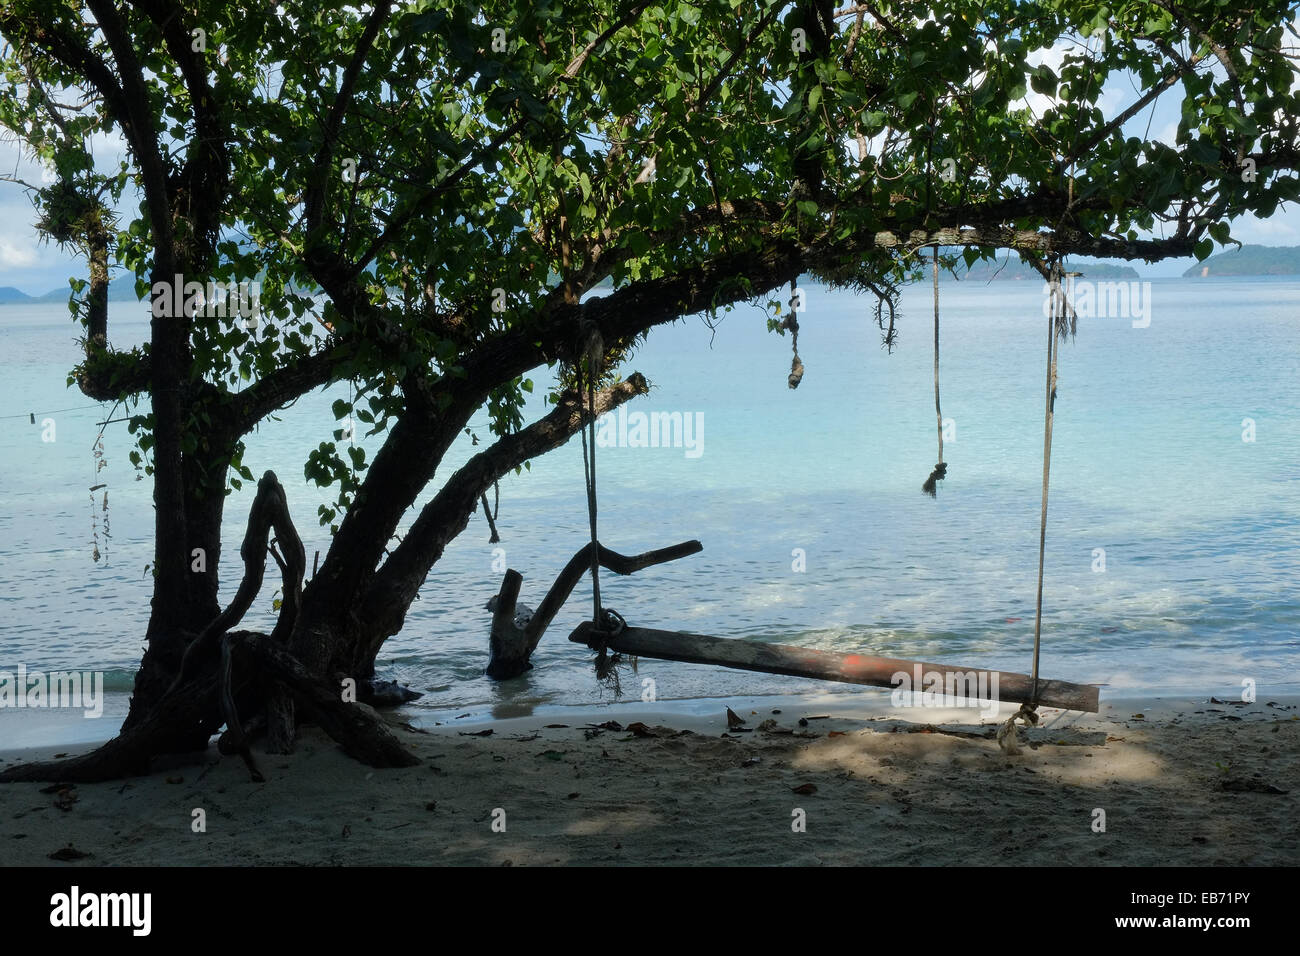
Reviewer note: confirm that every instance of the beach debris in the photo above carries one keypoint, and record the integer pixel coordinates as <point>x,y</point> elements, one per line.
<point>803,721</point>
<point>752,762</point>
<point>59,756</point>
<point>575,795</point>
<point>841,733</point>
<point>734,720</point>
<point>776,711</point>
<point>639,729</point>
<point>68,853</point>
<point>770,726</point>
<point>175,779</point>
<point>592,734</point>
<point>555,727</point>
<point>819,717</point>
<point>552,754</point>
<point>347,831</point>
<point>613,725</point>
<point>1139,717</point>
<point>804,789</point>
<point>431,805</point>
<point>65,795</point>
<point>476,733</point>
<point>1242,785</point>
<point>385,693</point>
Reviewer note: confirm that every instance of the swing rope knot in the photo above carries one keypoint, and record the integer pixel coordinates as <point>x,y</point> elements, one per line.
<point>1008,738</point>
<point>612,625</point>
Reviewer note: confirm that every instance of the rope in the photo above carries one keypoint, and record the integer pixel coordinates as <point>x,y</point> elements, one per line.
<point>931,486</point>
<point>1029,711</point>
<point>589,476</point>
<point>1057,315</point>
<point>58,411</point>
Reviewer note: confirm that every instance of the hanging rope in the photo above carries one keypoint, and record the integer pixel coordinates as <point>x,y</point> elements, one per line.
<point>931,487</point>
<point>1057,328</point>
<point>606,622</point>
<point>588,376</point>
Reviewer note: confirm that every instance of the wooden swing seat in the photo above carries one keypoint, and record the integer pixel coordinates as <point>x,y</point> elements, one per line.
<point>830,665</point>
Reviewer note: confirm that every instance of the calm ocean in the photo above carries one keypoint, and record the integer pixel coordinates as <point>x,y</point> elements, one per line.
<point>1200,528</point>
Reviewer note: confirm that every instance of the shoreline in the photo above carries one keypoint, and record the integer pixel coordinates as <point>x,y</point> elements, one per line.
<point>1179,781</point>
<point>693,713</point>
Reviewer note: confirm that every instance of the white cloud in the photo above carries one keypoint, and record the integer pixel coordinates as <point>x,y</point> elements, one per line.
<point>13,256</point>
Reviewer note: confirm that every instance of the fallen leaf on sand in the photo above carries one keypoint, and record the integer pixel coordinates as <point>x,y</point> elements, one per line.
<point>69,852</point>
<point>734,720</point>
<point>804,788</point>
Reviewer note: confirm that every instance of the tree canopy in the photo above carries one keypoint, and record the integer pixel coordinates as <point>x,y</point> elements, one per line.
<point>427,191</point>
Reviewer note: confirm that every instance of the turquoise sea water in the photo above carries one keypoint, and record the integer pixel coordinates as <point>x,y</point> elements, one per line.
<point>1201,530</point>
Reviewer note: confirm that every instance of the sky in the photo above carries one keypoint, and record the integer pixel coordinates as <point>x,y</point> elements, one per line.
<point>37,267</point>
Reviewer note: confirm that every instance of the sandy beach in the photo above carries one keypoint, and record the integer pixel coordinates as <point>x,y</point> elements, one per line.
<point>1190,781</point>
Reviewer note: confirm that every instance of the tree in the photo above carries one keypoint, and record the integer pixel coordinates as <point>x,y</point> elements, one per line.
<point>451,179</point>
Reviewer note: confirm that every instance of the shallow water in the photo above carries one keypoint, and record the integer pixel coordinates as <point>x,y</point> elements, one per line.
<point>1199,527</point>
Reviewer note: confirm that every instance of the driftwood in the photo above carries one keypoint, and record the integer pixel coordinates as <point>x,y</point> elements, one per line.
<point>513,639</point>
<point>830,665</point>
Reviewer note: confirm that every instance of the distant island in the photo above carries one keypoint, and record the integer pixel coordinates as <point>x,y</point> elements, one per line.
<point>121,289</point>
<point>1246,261</point>
<point>1014,269</point>
<point>1009,269</point>
<point>1249,261</point>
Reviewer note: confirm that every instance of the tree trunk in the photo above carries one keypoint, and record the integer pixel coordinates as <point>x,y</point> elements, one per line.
<point>179,615</point>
